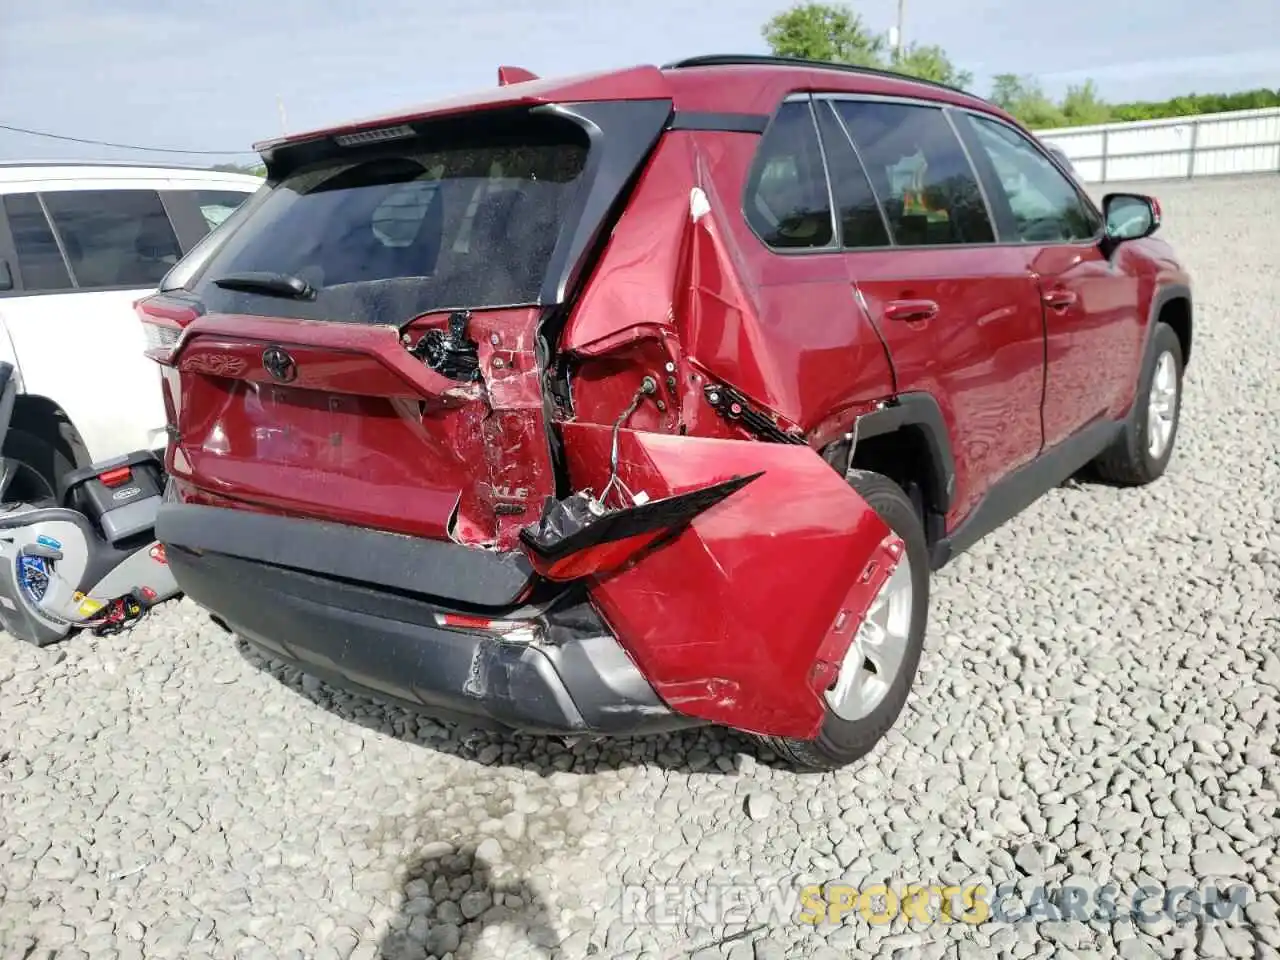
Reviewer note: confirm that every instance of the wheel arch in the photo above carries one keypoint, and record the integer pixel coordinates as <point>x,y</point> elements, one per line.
<point>906,439</point>
<point>42,417</point>
<point>1171,305</point>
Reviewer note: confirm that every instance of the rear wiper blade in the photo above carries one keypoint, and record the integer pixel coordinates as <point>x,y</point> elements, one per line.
<point>270,284</point>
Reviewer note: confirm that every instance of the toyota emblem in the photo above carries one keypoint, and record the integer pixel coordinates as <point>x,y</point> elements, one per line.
<point>277,362</point>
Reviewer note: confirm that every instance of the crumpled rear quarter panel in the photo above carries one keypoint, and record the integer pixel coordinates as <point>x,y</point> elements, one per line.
<point>739,618</point>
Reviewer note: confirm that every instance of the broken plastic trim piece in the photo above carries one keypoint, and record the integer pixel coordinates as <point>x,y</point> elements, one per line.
<point>450,353</point>
<point>578,536</point>
<point>734,407</point>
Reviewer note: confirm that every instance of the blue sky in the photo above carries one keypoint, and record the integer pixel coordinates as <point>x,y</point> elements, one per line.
<point>205,75</point>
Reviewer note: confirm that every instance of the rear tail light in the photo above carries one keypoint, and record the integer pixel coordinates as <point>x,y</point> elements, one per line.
<point>158,554</point>
<point>160,338</point>
<point>163,320</point>
<point>513,631</point>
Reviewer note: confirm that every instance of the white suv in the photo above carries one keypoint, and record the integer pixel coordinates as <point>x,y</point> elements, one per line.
<point>78,245</point>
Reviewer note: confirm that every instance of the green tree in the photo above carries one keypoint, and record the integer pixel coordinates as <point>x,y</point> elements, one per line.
<point>834,32</point>
<point>1083,107</point>
<point>931,63</point>
<point>1026,100</point>
<point>822,31</point>
<point>1007,91</point>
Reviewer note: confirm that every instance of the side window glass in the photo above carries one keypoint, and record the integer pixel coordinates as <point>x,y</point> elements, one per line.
<point>39,260</point>
<point>919,171</point>
<point>788,203</point>
<point>1046,208</point>
<point>861,223</point>
<point>216,205</point>
<point>114,238</point>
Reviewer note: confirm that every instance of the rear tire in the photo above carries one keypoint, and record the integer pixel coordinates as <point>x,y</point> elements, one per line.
<point>840,741</point>
<point>42,466</point>
<point>1131,461</point>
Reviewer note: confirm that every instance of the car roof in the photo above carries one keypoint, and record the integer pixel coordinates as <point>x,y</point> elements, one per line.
<point>14,172</point>
<point>746,83</point>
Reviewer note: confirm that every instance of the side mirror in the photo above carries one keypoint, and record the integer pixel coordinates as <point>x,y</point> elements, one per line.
<point>6,276</point>
<point>1129,216</point>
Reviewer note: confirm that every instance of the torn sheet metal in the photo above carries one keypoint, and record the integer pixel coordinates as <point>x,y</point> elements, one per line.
<point>743,617</point>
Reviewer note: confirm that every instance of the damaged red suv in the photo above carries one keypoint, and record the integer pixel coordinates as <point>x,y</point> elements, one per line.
<point>650,398</point>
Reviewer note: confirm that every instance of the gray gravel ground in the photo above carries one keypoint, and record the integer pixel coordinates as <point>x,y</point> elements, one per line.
<point>1098,704</point>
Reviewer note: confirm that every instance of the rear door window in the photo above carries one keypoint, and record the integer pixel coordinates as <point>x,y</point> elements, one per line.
<point>920,172</point>
<point>383,237</point>
<point>40,262</point>
<point>114,238</point>
<point>788,201</point>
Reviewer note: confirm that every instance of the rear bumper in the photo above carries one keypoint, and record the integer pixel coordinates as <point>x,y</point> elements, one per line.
<point>359,608</point>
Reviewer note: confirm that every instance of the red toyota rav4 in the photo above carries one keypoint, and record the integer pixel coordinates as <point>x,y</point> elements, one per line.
<point>649,398</point>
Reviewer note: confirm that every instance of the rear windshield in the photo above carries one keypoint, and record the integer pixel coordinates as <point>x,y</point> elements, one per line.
<point>418,226</point>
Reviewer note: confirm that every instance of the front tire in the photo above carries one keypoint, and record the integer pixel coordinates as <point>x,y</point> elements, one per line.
<point>1141,453</point>
<point>864,704</point>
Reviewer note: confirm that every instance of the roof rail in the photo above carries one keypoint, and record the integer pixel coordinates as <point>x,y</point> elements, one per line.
<point>141,164</point>
<point>766,60</point>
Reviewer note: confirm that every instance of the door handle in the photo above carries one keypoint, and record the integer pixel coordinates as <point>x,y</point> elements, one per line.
<point>1060,299</point>
<point>910,310</point>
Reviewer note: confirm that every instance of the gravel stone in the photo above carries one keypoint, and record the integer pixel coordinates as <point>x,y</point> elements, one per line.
<point>1098,702</point>
<point>443,939</point>
<point>1029,860</point>
<point>490,850</point>
<point>1219,864</point>
<point>759,806</point>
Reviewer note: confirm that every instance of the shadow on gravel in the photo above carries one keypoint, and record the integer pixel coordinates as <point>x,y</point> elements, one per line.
<point>451,901</point>
<point>706,750</point>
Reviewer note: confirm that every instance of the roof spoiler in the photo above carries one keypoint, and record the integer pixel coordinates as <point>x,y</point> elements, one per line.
<point>510,75</point>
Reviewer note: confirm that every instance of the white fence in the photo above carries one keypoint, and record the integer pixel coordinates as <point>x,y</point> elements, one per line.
<point>1211,144</point>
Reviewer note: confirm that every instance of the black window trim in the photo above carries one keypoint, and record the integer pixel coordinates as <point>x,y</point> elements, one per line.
<point>987,172</point>
<point>828,248</point>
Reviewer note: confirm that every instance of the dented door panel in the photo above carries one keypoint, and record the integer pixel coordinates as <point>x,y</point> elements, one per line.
<point>740,618</point>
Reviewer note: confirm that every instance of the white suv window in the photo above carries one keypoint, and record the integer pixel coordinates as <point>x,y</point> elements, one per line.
<point>40,262</point>
<point>216,205</point>
<point>114,238</point>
